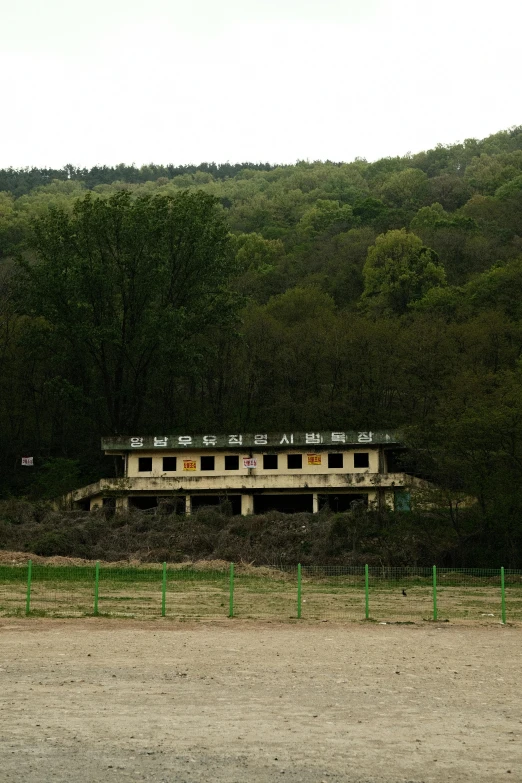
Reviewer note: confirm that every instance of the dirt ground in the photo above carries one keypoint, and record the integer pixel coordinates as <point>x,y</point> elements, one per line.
<point>234,702</point>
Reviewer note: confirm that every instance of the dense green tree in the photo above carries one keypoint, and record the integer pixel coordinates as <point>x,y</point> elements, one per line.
<point>407,189</point>
<point>399,270</point>
<point>326,214</point>
<point>121,284</point>
<point>370,211</point>
<point>450,190</point>
<point>334,263</point>
<point>473,445</point>
<point>259,265</point>
<point>461,247</point>
<point>486,173</point>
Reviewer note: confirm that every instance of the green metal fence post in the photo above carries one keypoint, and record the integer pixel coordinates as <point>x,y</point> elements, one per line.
<point>96,586</point>
<point>164,590</point>
<point>299,591</point>
<point>434,592</point>
<point>231,592</point>
<point>366,593</point>
<point>28,596</point>
<point>503,594</point>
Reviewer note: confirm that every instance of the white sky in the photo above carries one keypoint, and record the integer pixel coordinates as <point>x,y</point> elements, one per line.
<point>184,81</point>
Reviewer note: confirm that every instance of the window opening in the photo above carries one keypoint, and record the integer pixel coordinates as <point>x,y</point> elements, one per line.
<point>361,459</point>
<point>231,462</point>
<point>343,501</point>
<point>169,463</point>
<point>144,464</point>
<point>295,461</point>
<point>335,460</point>
<point>207,463</point>
<point>230,504</point>
<point>270,461</point>
<point>287,504</point>
<point>144,502</point>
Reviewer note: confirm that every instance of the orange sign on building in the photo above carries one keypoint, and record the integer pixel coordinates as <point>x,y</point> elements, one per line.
<point>314,459</point>
<point>189,464</point>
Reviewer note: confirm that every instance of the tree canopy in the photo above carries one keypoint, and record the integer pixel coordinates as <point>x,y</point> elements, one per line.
<point>120,286</point>
<point>398,271</point>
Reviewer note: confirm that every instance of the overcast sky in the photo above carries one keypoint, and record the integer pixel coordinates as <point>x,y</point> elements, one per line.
<point>183,81</point>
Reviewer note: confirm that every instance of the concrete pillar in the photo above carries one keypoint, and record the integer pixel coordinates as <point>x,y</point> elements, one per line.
<point>372,500</point>
<point>188,505</point>
<point>247,504</point>
<point>122,504</point>
<point>389,499</point>
<point>315,503</point>
<point>96,502</point>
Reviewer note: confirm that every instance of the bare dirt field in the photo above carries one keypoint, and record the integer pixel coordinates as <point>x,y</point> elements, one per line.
<point>234,701</point>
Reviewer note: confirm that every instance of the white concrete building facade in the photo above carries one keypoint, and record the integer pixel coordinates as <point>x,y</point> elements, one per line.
<point>253,473</point>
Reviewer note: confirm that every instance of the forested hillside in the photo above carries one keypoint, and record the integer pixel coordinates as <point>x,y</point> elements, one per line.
<point>313,296</point>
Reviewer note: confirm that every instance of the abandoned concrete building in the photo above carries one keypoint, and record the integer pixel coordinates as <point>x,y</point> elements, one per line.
<point>254,473</point>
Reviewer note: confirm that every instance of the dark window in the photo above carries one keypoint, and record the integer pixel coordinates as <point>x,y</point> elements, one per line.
<point>395,460</point>
<point>230,504</point>
<point>335,460</point>
<point>288,504</point>
<point>231,462</point>
<point>144,464</point>
<point>144,502</point>
<point>295,461</point>
<point>169,463</point>
<point>343,502</point>
<point>361,460</point>
<point>207,463</point>
<point>270,461</point>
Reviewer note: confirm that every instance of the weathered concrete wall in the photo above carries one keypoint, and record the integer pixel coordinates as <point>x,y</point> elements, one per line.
<point>374,485</point>
<point>355,482</point>
<point>219,464</point>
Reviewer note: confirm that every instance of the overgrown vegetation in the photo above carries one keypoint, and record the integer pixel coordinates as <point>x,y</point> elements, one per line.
<point>353,538</point>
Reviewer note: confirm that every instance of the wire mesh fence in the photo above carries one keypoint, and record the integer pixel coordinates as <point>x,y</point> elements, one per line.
<point>216,590</point>
<point>196,593</point>
<point>333,592</point>
<point>265,593</point>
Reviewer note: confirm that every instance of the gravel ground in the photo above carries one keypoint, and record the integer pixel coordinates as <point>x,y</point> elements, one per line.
<point>234,702</point>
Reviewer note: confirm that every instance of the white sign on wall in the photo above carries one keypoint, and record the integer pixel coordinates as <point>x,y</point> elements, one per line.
<point>27,460</point>
<point>249,462</point>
